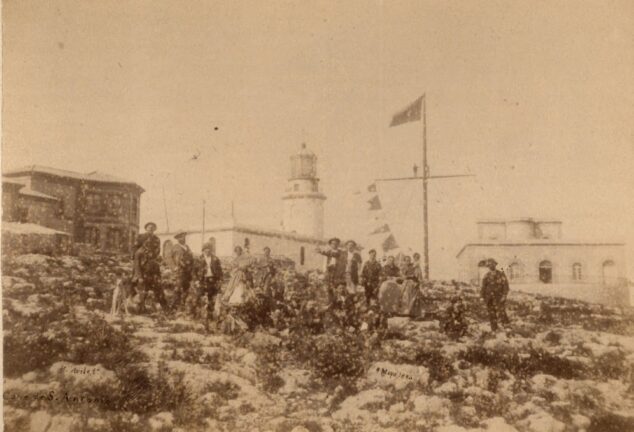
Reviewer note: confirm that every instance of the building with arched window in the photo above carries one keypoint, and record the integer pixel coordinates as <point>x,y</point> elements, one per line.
<point>537,259</point>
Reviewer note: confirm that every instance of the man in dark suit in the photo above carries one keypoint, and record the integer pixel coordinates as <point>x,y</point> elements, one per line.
<point>207,279</point>
<point>183,260</point>
<point>371,277</point>
<point>147,276</point>
<point>495,288</point>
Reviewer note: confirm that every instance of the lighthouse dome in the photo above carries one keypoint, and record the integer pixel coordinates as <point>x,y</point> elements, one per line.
<point>303,164</point>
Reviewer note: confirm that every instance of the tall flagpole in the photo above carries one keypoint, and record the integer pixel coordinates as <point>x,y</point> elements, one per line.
<point>425,177</point>
<point>413,113</point>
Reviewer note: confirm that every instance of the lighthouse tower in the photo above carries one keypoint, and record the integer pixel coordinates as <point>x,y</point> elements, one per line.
<point>303,203</point>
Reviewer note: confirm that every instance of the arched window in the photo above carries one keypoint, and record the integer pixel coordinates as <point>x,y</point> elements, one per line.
<point>302,255</point>
<point>545,272</point>
<point>576,272</point>
<point>515,271</point>
<point>609,272</point>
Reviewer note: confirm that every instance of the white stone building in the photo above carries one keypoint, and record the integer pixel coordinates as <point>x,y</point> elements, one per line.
<point>303,220</point>
<point>537,259</point>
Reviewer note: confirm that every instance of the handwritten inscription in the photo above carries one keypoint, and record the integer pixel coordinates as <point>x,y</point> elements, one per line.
<point>51,396</point>
<point>393,374</point>
<point>81,370</point>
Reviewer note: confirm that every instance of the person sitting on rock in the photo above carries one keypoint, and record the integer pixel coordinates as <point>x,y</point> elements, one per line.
<point>390,270</point>
<point>495,288</point>
<point>408,270</point>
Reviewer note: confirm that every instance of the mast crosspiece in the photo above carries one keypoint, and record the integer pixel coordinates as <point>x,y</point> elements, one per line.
<point>411,114</point>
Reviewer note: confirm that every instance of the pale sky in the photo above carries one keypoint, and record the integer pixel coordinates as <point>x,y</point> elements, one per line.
<point>536,98</point>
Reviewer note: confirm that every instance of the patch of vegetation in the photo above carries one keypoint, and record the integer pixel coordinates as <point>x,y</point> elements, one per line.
<point>440,368</point>
<point>611,365</point>
<point>525,366</point>
<point>225,389</point>
<point>267,368</point>
<point>33,345</point>
<point>143,393</point>
<point>609,422</point>
<point>196,355</point>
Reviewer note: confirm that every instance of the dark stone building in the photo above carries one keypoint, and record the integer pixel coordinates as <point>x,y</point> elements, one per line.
<point>93,208</point>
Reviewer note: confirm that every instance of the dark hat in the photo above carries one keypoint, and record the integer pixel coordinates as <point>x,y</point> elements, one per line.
<point>491,262</point>
<point>351,241</point>
<point>180,234</point>
<point>334,239</point>
<point>149,223</point>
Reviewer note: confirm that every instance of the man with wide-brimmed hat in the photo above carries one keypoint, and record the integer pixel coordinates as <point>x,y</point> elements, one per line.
<point>335,266</point>
<point>495,288</point>
<point>147,275</point>
<point>154,245</point>
<point>183,260</point>
<point>147,269</point>
<point>207,281</point>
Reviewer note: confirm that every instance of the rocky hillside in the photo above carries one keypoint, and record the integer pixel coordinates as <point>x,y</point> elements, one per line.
<point>69,366</point>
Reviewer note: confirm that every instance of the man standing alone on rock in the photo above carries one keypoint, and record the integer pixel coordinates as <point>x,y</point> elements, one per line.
<point>183,259</point>
<point>495,288</point>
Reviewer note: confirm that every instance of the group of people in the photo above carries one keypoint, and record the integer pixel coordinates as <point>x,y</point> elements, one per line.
<point>344,271</point>
<point>198,279</point>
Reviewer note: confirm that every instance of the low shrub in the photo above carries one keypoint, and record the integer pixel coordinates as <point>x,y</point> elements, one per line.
<point>537,361</point>
<point>440,368</point>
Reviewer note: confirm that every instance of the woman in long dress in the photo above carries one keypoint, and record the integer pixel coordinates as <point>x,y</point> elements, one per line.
<point>240,286</point>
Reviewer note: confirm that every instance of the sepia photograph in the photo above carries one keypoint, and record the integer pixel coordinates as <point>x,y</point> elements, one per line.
<point>317,216</point>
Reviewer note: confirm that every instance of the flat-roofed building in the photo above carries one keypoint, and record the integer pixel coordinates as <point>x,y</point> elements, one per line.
<point>538,259</point>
